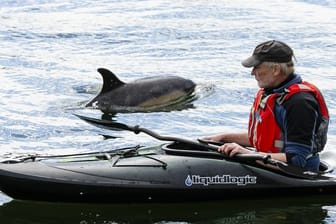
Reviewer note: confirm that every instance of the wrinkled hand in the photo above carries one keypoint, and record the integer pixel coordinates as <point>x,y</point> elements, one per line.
<point>231,149</point>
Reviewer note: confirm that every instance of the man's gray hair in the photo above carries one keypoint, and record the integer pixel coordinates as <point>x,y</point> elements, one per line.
<point>285,68</point>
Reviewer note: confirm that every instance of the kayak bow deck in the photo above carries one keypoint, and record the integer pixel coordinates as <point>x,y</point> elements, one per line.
<point>171,172</point>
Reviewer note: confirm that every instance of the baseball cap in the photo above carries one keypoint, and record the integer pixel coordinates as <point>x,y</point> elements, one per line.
<point>270,51</point>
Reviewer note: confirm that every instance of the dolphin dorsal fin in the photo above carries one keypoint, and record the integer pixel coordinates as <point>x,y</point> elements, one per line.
<point>110,80</point>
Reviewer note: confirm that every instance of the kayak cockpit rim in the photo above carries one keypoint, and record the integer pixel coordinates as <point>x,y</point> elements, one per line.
<point>181,149</point>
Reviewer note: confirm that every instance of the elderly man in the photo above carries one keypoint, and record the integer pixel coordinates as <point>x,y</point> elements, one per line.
<point>289,118</point>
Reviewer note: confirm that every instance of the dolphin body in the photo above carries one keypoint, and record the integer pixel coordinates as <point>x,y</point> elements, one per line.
<point>146,94</point>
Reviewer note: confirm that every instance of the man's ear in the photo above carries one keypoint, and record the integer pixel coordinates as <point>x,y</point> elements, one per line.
<point>276,69</point>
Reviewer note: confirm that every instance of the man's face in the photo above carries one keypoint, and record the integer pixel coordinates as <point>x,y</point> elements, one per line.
<point>264,75</point>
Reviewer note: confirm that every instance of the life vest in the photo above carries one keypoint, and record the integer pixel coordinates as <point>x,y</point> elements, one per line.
<point>265,133</point>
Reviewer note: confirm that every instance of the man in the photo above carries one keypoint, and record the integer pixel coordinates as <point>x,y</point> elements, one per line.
<point>289,118</point>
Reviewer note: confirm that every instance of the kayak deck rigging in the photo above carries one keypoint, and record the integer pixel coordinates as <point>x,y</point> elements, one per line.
<point>112,156</point>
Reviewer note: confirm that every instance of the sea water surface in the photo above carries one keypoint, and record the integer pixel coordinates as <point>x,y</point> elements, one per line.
<point>50,51</point>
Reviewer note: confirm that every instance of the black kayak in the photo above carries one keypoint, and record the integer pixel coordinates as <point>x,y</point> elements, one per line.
<point>170,172</point>
<point>182,170</point>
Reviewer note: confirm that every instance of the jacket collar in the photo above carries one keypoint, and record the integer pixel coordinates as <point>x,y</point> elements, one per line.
<point>293,79</point>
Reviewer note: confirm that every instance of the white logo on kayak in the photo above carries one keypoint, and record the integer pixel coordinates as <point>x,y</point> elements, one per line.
<point>224,179</point>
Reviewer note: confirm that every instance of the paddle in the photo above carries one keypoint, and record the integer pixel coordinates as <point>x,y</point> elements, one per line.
<point>111,125</point>
<point>276,164</point>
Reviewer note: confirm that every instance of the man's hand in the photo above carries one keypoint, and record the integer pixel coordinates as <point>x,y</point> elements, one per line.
<point>231,149</point>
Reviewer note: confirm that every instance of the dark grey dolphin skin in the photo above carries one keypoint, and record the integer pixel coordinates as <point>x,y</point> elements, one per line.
<point>144,94</point>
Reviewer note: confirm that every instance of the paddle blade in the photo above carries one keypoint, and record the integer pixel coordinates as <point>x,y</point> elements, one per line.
<point>111,125</point>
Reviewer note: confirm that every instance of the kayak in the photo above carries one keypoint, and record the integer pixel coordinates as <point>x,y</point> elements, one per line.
<point>181,170</point>
<point>170,172</point>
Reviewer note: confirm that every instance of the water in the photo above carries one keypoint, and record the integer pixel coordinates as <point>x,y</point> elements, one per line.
<point>258,211</point>
<point>50,51</point>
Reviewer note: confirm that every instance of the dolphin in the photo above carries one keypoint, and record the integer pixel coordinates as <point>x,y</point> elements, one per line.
<point>146,94</point>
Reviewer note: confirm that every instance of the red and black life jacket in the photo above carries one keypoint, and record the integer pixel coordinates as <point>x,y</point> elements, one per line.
<point>264,132</point>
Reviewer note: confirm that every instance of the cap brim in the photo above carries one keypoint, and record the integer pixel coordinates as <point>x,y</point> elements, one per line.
<point>251,61</point>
